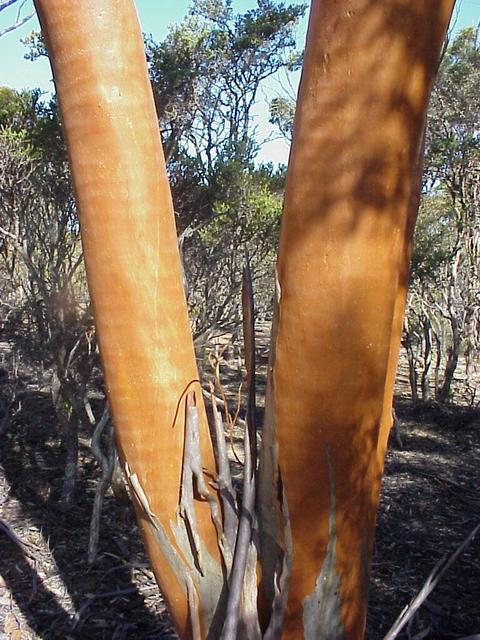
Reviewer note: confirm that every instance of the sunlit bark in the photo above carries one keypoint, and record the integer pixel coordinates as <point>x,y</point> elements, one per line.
<point>135,279</point>
<point>342,273</point>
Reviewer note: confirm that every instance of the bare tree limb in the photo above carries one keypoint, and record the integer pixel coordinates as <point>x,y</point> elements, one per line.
<point>247,514</point>
<point>10,533</point>
<point>106,462</point>
<point>19,21</point>
<point>224,479</point>
<point>431,582</point>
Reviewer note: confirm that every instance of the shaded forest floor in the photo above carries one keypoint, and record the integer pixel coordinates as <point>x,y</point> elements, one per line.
<point>430,501</point>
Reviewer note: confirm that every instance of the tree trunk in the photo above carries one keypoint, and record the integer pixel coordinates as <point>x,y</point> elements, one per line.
<point>452,362</point>
<point>359,119</point>
<point>412,367</point>
<point>68,420</point>
<point>427,358</point>
<point>135,279</point>
<point>438,362</point>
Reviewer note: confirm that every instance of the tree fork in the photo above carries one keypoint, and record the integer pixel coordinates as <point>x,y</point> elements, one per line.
<point>367,76</point>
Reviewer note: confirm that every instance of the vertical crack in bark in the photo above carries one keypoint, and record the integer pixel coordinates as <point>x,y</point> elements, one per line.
<point>275,529</point>
<point>322,609</point>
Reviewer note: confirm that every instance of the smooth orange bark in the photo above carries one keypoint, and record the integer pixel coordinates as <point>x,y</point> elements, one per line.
<point>130,246</point>
<point>366,80</point>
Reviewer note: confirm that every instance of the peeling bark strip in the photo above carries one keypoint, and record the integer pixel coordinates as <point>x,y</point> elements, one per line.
<point>206,586</point>
<point>192,472</point>
<point>322,619</point>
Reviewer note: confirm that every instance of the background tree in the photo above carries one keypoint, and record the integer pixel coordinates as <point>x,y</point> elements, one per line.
<point>444,306</point>
<point>206,77</point>
<point>20,17</point>
<point>45,303</point>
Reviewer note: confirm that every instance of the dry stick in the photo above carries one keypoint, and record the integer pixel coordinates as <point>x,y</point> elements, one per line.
<point>282,579</point>
<point>244,535</point>
<point>433,579</point>
<point>224,479</point>
<point>231,422</point>
<point>10,533</point>
<point>106,463</point>
<point>249,339</point>
<point>219,401</point>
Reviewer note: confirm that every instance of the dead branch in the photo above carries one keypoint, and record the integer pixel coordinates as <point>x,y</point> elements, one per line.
<point>106,462</point>
<point>224,479</point>
<point>10,533</point>
<point>431,582</point>
<point>247,514</point>
<point>215,361</point>
<point>19,21</point>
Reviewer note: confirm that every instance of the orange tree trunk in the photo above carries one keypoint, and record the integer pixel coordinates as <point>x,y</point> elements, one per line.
<point>134,274</point>
<point>366,81</point>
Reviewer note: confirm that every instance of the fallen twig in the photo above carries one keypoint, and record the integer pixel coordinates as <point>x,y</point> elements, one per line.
<point>431,582</point>
<point>10,533</point>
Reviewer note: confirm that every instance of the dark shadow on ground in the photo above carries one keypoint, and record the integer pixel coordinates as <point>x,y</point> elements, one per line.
<point>430,501</point>
<point>104,601</point>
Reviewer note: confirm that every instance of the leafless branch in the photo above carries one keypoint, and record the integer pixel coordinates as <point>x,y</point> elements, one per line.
<point>106,462</point>
<point>247,514</point>
<point>10,533</point>
<point>431,582</point>
<point>19,20</point>
<point>224,479</point>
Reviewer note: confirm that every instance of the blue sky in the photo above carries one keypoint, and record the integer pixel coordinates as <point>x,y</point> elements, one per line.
<point>155,17</point>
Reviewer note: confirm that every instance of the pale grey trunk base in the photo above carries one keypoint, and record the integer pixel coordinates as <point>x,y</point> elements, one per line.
<point>322,619</point>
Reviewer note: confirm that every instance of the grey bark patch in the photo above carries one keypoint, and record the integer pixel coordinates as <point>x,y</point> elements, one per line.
<point>322,619</point>
<point>206,586</point>
<point>209,583</point>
